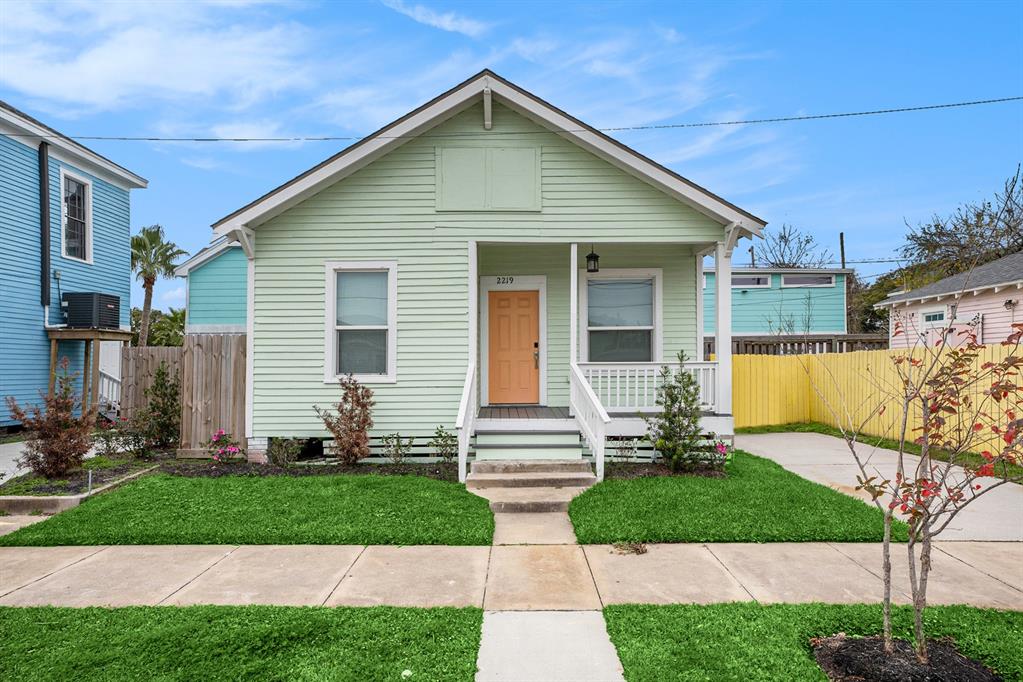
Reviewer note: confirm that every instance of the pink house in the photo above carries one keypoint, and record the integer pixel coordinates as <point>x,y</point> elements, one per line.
<point>986,299</point>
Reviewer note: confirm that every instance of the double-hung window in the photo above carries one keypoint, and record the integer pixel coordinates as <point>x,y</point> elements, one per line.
<point>622,318</point>
<point>77,218</point>
<point>361,321</point>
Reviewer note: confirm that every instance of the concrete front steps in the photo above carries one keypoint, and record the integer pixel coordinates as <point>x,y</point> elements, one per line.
<point>523,486</point>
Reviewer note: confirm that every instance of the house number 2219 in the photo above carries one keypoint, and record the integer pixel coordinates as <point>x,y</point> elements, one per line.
<point>505,280</point>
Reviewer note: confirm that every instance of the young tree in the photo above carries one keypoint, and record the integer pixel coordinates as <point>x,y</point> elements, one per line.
<point>792,248</point>
<point>152,257</point>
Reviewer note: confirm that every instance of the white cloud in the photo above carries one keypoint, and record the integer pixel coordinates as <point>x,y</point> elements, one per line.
<point>447,21</point>
<point>255,130</point>
<point>174,298</point>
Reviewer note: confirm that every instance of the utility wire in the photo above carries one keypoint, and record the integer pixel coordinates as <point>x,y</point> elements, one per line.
<point>662,126</point>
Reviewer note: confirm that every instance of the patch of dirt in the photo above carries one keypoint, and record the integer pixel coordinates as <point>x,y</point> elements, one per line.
<point>629,470</point>
<point>630,548</point>
<point>199,468</point>
<point>862,659</point>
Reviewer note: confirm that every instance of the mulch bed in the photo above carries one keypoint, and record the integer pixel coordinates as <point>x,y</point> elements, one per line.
<point>77,482</point>
<point>630,470</point>
<point>862,659</point>
<point>206,469</point>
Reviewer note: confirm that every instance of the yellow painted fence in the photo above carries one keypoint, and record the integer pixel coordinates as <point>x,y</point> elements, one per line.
<point>839,389</point>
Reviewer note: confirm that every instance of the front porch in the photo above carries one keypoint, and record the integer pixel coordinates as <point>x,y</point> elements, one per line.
<point>559,350</point>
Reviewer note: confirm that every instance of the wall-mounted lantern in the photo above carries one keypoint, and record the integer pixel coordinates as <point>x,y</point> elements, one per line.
<point>592,261</point>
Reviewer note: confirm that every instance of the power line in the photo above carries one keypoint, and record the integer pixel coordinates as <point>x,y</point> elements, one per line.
<point>661,126</point>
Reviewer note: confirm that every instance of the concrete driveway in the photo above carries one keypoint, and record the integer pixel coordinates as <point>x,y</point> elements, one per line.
<point>998,515</point>
<point>9,453</point>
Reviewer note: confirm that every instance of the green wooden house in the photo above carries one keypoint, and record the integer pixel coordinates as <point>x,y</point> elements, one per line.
<point>487,263</point>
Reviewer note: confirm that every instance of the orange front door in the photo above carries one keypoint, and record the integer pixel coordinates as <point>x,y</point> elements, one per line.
<point>514,330</point>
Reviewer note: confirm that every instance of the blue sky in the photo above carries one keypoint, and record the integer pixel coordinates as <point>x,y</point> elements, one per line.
<point>235,68</point>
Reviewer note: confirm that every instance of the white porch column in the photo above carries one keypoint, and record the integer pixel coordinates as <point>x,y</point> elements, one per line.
<point>573,305</point>
<point>474,302</point>
<point>699,307</point>
<point>723,326</point>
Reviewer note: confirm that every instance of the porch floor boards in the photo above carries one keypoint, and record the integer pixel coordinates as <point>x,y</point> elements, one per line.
<point>523,412</point>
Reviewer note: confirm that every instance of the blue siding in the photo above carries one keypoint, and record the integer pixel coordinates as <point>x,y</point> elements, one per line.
<point>24,347</point>
<point>768,311</point>
<point>217,289</point>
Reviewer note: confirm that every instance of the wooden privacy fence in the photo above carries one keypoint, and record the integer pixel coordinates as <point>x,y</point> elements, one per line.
<point>800,343</point>
<point>212,371</point>
<point>838,389</point>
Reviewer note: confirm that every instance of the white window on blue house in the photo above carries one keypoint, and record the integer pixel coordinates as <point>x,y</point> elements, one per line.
<point>751,281</point>
<point>76,213</point>
<point>622,310</point>
<point>362,316</point>
<point>809,280</point>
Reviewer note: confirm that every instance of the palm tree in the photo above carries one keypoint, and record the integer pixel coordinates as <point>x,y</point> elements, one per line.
<point>152,257</point>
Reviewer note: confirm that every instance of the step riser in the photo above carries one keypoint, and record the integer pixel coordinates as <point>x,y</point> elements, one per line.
<point>528,507</point>
<point>582,481</point>
<point>526,439</point>
<point>529,453</point>
<point>538,467</point>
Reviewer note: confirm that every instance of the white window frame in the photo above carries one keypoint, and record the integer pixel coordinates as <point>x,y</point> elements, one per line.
<point>767,275</point>
<point>64,177</point>
<point>331,268</point>
<point>657,330</point>
<point>934,324</point>
<point>830,284</point>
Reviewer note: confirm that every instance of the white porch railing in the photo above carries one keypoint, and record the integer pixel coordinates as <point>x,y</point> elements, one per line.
<point>109,390</point>
<point>590,415</point>
<point>632,387</point>
<point>467,410</point>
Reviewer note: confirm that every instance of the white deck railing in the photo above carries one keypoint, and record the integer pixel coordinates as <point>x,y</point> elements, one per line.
<point>590,415</point>
<point>109,390</point>
<point>632,387</point>
<point>468,407</point>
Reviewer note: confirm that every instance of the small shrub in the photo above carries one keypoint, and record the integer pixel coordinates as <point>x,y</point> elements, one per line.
<point>133,436</point>
<point>222,447</point>
<point>397,448</point>
<point>283,452</point>
<point>445,444</point>
<point>60,432</point>
<point>351,422</point>
<point>163,408</point>
<point>675,431</point>
<point>107,439</point>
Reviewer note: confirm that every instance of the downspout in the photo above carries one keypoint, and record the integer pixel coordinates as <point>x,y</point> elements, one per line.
<point>44,234</point>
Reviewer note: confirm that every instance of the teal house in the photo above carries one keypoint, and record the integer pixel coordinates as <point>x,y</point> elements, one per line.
<point>65,231</point>
<point>487,263</point>
<point>779,301</point>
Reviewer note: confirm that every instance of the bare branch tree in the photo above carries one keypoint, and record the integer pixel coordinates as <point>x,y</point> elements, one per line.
<point>792,248</point>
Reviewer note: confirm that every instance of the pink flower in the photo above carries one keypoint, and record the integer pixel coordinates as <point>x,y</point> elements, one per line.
<point>721,448</point>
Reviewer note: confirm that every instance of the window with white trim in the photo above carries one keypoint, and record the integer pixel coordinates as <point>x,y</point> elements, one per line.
<point>807,280</point>
<point>620,319</point>
<point>361,321</point>
<point>751,281</point>
<point>933,318</point>
<point>77,218</point>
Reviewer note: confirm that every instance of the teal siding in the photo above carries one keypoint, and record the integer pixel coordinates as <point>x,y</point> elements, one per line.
<point>217,290</point>
<point>797,310</point>
<point>24,347</point>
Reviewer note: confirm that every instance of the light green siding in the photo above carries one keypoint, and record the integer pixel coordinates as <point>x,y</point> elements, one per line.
<point>217,290</point>
<point>388,211</point>
<point>789,310</point>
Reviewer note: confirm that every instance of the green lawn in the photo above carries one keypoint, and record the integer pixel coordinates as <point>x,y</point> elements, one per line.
<point>1011,471</point>
<point>239,642</point>
<point>759,501</point>
<point>746,641</point>
<point>357,509</point>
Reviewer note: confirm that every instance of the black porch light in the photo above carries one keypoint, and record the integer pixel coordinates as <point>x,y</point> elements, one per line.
<point>592,261</point>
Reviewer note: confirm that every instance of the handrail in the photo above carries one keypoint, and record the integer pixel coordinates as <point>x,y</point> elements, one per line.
<point>632,386</point>
<point>466,419</point>
<point>109,389</point>
<point>590,415</point>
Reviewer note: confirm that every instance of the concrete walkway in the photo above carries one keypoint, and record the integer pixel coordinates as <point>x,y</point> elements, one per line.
<point>556,577</point>
<point>998,515</point>
<point>9,454</point>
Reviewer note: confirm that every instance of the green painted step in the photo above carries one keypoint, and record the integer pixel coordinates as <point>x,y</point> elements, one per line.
<point>523,438</point>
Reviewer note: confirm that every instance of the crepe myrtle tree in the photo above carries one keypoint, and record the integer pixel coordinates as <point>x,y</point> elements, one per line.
<point>963,405</point>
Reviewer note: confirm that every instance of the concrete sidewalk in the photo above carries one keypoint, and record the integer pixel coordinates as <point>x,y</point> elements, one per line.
<point>556,577</point>
<point>998,515</point>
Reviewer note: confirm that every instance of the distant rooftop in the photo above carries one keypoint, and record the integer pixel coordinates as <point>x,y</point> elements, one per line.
<point>1005,270</point>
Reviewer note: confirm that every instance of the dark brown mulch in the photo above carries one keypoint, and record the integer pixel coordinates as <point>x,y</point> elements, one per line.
<point>76,482</point>
<point>198,468</point>
<point>628,470</point>
<point>862,659</point>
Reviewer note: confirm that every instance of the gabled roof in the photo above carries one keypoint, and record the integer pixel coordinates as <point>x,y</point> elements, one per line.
<point>32,131</point>
<point>205,254</point>
<point>1004,272</point>
<point>453,101</point>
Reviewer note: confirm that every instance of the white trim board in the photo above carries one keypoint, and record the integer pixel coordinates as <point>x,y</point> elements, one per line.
<point>331,267</point>
<point>657,351</point>
<point>517,283</point>
<point>215,328</point>
<point>66,175</point>
<point>451,103</point>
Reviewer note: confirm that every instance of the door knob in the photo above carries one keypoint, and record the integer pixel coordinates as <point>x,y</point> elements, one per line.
<point>536,359</point>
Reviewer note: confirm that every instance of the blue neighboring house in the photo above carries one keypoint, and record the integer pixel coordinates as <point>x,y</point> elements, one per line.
<point>772,301</point>
<point>68,233</point>
<point>216,290</point>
